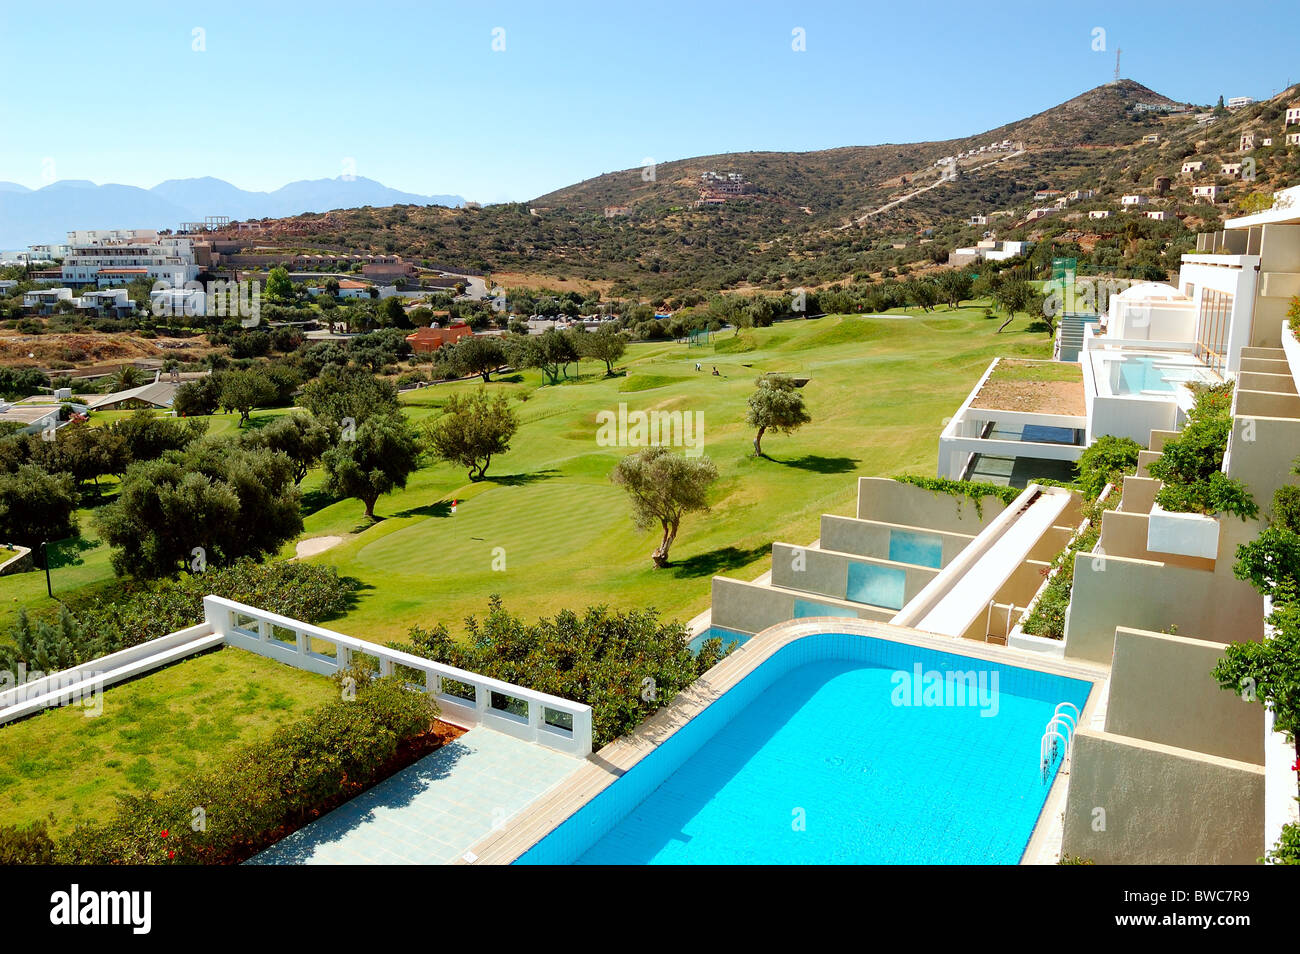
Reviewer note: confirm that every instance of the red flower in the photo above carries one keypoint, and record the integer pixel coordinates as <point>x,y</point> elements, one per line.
<point>163,834</point>
<point>171,854</point>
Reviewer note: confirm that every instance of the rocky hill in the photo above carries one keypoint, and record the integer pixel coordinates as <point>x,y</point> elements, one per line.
<point>778,219</point>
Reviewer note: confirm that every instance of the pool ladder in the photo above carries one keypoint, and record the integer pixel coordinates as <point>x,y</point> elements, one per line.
<point>1057,738</point>
<point>995,620</point>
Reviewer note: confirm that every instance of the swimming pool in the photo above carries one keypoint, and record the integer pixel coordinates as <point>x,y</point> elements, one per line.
<point>1136,374</point>
<point>825,754</point>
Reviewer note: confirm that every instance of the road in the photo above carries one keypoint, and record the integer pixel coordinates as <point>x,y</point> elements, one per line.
<point>860,220</point>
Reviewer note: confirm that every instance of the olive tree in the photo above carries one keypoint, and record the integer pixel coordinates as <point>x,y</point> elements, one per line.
<point>472,429</point>
<point>206,506</point>
<point>245,390</point>
<point>379,457</point>
<point>476,354</point>
<point>300,437</point>
<point>605,344</point>
<point>775,405</point>
<point>664,487</point>
<point>36,506</point>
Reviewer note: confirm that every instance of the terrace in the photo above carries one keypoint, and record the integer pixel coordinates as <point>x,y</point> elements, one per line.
<point>519,741</point>
<point>146,734</point>
<point>912,557</point>
<point>1024,419</point>
<point>1159,599</point>
<point>1155,340</point>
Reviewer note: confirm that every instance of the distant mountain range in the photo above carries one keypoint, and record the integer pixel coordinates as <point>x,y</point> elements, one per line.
<point>30,216</point>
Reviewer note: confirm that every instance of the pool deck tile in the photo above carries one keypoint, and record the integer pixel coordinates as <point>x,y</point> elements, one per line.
<point>433,811</point>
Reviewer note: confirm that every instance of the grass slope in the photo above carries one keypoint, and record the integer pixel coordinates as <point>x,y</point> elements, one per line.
<point>880,390</point>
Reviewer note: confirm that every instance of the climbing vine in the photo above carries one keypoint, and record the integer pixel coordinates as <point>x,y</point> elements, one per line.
<point>963,488</point>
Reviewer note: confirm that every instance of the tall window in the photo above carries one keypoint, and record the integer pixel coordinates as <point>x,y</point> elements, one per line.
<point>1212,328</point>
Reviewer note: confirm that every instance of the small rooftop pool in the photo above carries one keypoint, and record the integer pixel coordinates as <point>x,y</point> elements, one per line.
<point>839,748</point>
<point>1150,373</point>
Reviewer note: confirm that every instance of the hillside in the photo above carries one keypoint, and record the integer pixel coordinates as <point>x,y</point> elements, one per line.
<point>838,181</point>
<point>814,218</point>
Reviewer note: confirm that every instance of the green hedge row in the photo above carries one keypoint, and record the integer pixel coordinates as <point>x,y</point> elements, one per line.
<point>140,612</point>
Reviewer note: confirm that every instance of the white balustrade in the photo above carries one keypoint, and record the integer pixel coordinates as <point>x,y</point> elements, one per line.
<point>464,698</point>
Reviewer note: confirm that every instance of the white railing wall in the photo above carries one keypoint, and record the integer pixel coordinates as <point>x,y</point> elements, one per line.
<point>464,698</point>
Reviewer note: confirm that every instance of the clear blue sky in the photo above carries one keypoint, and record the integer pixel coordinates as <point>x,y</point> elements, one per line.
<point>415,94</point>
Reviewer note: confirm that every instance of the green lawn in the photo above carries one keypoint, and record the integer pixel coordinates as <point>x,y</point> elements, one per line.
<point>880,390</point>
<point>1036,371</point>
<point>63,766</point>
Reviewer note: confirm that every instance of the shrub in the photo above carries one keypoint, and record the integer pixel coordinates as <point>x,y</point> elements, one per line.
<point>26,845</point>
<point>301,591</point>
<point>1287,849</point>
<point>1105,462</point>
<point>1286,508</point>
<point>1048,617</point>
<point>1271,562</point>
<point>972,489</point>
<point>249,799</point>
<point>1191,466</point>
<point>625,665</point>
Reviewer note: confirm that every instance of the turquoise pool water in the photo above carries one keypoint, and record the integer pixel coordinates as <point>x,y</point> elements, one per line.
<point>876,585</point>
<point>919,549</point>
<point>810,759</point>
<point>1137,373</point>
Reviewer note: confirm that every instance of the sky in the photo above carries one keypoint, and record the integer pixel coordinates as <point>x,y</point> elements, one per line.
<point>508,101</point>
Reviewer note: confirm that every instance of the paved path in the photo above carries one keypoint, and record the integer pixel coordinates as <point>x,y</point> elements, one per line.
<point>430,812</point>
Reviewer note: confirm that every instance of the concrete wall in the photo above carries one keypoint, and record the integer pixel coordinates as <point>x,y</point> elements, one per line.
<point>825,572</point>
<point>1132,417</point>
<point>1235,277</point>
<point>1153,319</point>
<point>18,562</point>
<point>1267,404</point>
<point>1158,439</point>
<point>1279,253</point>
<point>1162,805</point>
<point>1264,463</point>
<point>1261,381</point>
<point>1139,494</point>
<point>871,538</point>
<point>889,501</point>
<point>1023,583</point>
<point>1145,459</point>
<point>1125,535</point>
<point>1153,596</point>
<point>753,607</point>
<point>1161,691</point>
<point>1052,542</point>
